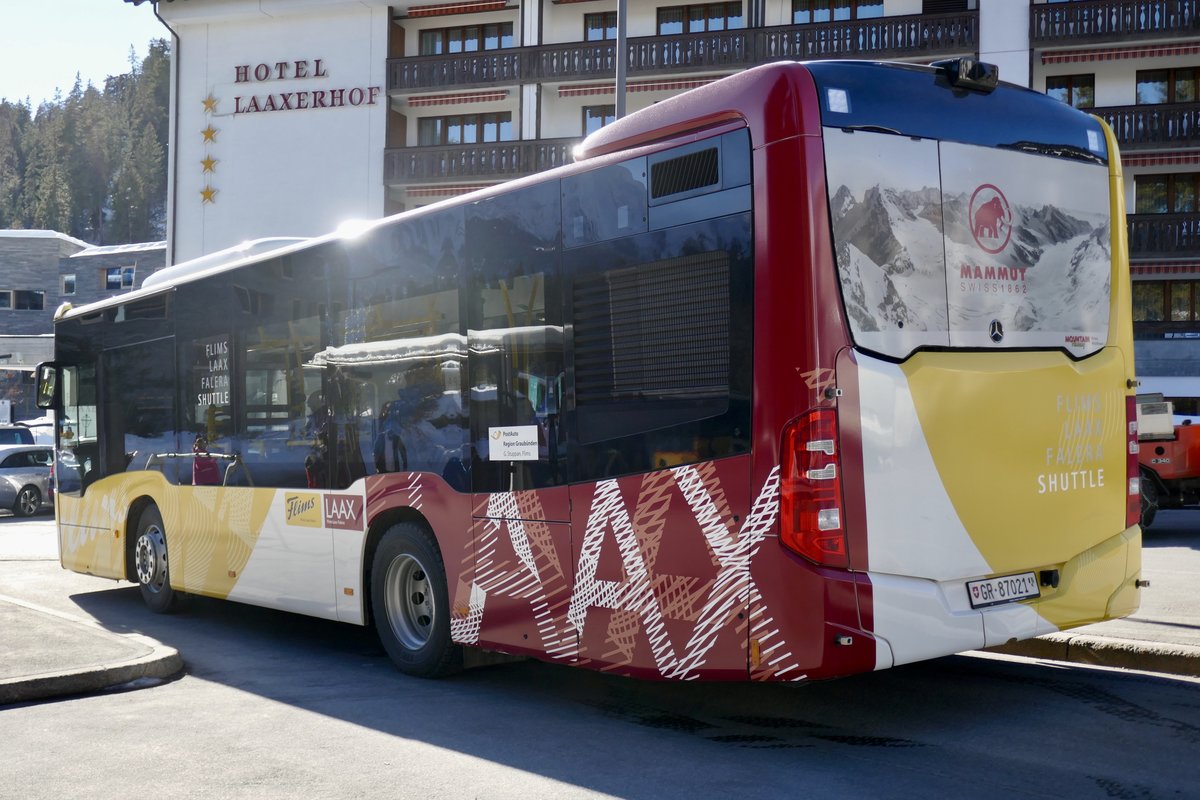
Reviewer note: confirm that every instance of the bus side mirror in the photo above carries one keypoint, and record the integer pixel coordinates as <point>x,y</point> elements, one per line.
<point>47,385</point>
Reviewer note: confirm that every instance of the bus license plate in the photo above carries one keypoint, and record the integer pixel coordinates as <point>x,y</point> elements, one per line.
<point>1007,589</point>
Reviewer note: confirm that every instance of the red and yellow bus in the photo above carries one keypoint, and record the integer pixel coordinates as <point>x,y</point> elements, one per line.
<point>818,369</point>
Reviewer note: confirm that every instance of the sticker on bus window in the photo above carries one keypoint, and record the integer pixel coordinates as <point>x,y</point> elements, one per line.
<point>517,443</point>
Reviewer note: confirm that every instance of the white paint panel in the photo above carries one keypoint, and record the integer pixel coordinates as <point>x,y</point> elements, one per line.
<point>291,567</point>
<point>912,527</point>
<point>921,619</point>
<point>917,620</point>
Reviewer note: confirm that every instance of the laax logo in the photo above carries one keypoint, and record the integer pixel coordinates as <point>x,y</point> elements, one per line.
<point>991,219</point>
<point>343,511</point>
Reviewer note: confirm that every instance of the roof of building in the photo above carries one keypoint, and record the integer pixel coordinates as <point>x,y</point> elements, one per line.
<point>19,233</point>
<point>110,249</point>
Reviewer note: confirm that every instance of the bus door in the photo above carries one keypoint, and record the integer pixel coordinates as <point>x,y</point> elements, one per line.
<point>521,509</point>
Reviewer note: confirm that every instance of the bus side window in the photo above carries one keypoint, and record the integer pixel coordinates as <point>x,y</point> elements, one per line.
<point>515,337</point>
<point>404,351</point>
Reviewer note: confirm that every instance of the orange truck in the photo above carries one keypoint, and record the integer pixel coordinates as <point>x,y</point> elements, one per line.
<point>1168,456</point>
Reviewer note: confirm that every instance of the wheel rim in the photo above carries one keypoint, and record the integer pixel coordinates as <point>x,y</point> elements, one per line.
<point>150,559</point>
<point>26,502</point>
<point>409,601</point>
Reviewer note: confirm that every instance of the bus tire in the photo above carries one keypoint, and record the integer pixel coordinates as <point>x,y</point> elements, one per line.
<point>151,566</point>
<point>410,603</point>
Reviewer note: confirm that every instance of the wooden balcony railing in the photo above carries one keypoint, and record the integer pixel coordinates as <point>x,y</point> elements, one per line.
<point>1154,126</point>
<point>1157,236</point>
<point>925,36</point>
<point>1093,21</point>
<point>477,162</point>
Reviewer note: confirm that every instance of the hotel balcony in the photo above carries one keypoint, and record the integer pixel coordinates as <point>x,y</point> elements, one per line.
<point>1153,127</point>
<point>1163,237</point>
<point>475,163</point>
<point>920,37</point>
<point>1089,22</point>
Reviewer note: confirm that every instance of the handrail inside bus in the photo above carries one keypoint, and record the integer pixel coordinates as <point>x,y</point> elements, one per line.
<point>156,460</point>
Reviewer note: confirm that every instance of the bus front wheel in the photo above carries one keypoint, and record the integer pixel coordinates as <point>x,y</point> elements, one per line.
<point>410,603</point>
<point>150,564</point>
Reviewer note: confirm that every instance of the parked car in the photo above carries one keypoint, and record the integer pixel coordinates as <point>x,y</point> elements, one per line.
<point>25,482</point>
<point>15,434</point>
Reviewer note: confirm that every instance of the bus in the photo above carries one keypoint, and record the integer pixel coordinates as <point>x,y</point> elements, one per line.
<point>814,370</point>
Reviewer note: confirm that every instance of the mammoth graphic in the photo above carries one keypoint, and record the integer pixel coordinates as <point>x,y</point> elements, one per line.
<point>988,218</point>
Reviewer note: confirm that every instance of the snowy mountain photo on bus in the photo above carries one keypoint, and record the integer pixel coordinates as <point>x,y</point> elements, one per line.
<point>943,241</point>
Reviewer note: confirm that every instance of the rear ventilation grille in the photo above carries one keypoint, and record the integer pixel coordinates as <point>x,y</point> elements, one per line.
<point>684,174</point>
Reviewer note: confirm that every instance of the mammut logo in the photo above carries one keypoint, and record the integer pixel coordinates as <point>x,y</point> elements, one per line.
<point>991,219</point>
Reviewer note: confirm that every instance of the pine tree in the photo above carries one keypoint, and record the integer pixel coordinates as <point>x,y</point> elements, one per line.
<point>91,164</point>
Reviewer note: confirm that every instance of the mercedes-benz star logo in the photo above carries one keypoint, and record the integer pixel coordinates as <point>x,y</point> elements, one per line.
<point>996,331</point>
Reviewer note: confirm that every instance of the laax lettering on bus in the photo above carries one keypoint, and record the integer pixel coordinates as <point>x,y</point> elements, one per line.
<point>343,511</point>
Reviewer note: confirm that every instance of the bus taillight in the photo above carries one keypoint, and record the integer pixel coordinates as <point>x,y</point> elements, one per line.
<point>810,501</point>
<point>1133,498</point>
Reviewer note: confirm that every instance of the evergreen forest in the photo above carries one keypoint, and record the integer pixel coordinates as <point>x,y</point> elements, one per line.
<point>92,164</point>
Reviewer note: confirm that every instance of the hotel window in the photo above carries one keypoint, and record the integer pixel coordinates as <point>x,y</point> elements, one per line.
<point>1166,301</point>
<point>596,117</point>
<point>806,11</point>
<point>1155,86</point>
<point>465,129</point>
<point>68,285</point>
<point>700,18</point>
<point>1074,90</point>
<point>118,278</point>
<point>1166,194</point>
<point>600,26</point>
<point>466,39</point>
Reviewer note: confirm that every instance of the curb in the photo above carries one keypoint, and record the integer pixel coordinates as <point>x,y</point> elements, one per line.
<point>1105,651</point>
<point>154,662</point>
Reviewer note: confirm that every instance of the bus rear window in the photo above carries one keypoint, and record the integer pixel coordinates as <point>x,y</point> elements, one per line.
<point>941,244</point>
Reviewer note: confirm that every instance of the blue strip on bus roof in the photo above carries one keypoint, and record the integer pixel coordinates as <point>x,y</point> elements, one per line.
<point>919,101</point>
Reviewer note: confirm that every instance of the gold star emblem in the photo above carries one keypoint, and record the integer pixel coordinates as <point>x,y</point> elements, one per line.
<point>208,195</point>
<point>210,104</point>
<point>209,134</point>
<point>209,163</point>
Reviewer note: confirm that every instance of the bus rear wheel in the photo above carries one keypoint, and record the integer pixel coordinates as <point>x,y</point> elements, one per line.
<point>151,566</point>
<point>410,603</point>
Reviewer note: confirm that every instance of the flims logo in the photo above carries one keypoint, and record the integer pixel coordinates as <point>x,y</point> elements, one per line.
<point>991,219</point>
<point>302,509</point>
<point>343,511</point>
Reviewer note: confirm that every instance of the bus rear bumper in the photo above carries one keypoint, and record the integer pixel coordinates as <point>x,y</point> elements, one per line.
<point>916,618</point>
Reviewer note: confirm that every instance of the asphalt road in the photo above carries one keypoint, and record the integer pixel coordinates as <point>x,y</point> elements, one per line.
<point>275,705</point>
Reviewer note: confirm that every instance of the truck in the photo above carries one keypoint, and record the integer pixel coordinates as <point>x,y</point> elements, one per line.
<point>1168,458</point>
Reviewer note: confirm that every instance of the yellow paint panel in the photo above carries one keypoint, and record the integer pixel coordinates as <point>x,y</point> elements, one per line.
<point>1030,447</point>
<point>211,530</point>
